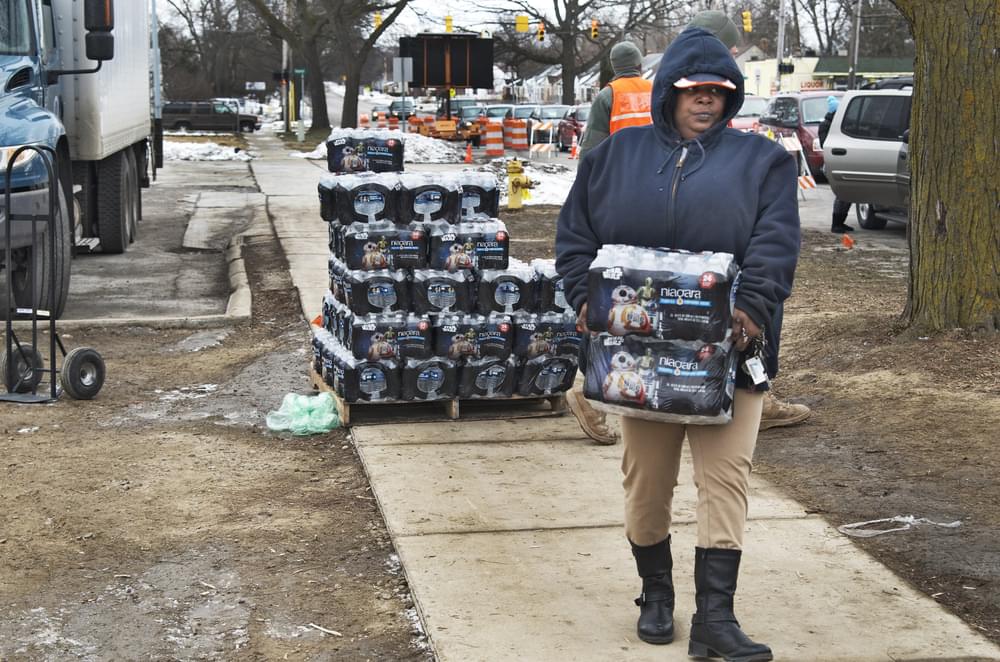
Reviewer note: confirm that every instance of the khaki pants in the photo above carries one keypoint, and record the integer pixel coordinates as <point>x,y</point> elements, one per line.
<point>722,456</point>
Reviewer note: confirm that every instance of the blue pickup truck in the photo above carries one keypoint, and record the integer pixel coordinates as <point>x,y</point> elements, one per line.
<point>74,78</point>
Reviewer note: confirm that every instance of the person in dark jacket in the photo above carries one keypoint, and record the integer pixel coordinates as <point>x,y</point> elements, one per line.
<point>840,208</point>
<point>688,182</point>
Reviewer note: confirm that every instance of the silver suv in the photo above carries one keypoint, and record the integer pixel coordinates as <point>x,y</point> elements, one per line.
<point>867,155</point>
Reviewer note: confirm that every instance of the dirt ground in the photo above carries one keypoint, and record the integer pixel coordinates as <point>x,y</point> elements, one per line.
<point>163,521</point>
<point>901,424</point>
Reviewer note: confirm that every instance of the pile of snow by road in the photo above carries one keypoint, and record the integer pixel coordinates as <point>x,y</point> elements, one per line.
<point>416,148</point>
<point>180,151</point>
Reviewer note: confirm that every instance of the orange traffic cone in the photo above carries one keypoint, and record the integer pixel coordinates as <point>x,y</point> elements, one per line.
<point>573,148</point>
<point>846,240</point>
<point>468,152</point>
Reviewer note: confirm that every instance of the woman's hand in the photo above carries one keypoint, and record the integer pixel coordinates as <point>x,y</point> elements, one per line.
<point>744,329</point>
<point>581,320</point>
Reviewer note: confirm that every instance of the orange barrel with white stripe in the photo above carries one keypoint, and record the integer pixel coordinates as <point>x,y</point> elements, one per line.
<point>494,138</point>
<point>364,121</point>
<point>394,123</point>
<point>382,123</point>
<point>414,123</point>
<point>507,138</point>
<point>518,135</point>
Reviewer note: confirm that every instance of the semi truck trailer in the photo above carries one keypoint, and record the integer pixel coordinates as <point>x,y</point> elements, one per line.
<point>74,78</point>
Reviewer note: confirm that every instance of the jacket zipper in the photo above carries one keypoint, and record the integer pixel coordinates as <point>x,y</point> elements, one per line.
<point>671,221</point>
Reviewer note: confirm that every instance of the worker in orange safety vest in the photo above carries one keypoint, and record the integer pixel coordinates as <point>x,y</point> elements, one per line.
<point>624,102</point>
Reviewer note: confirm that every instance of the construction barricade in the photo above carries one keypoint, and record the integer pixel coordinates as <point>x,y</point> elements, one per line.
<point>414,123</point>
<point>518,130</point>
<point>364,121</point>
<point>494,138</point>
<point>382,123</point>
<point>394,123</point>
<point>507,136</point>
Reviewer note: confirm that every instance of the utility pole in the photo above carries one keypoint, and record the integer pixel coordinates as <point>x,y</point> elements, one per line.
<point>286,63</point>
<point>852,71</point>
<point>781,40</point>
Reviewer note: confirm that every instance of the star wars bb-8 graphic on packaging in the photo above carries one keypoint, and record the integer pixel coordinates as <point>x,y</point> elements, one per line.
<point>661,293</point>
<point>471,336</point>
<point>546,334</point>
<point>381,245</point>
<point>469,245</point>
<point>672,381</point>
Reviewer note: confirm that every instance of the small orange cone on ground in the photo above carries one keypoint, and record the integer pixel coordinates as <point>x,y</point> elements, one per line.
<point>573,148</point>
<point>318,320</point>
<point>846,240</point>
<point>468,152</point>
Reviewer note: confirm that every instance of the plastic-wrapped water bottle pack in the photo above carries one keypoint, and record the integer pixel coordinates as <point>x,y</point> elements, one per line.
<point>661,293</point>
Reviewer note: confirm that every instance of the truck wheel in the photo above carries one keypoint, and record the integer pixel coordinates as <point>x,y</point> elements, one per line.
<point>182,126</point>
<point>32,269</point>
<point>247,127</point>
<point>22,370</point>
<point>867,218</point>
<point>82,374</point>
<point>117,201</point>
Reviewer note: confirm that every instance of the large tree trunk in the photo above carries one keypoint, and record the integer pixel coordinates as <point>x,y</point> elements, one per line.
<point>314,80</point>
<point>349,115</point>
<point>569,75</point>
<point>954,142</point>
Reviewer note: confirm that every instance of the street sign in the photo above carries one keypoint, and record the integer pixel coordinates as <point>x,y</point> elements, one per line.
<point>300,72</point>
<point>257,86</point>
<point>402,69</point>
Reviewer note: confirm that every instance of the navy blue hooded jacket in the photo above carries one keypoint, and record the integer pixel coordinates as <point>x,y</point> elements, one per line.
<point>724,191</point>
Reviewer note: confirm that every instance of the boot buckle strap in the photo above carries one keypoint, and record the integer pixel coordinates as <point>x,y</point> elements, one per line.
<point>645,598</point>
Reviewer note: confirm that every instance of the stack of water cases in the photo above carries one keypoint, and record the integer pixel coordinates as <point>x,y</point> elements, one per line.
<point>425,302</point>
<point>664,352</point>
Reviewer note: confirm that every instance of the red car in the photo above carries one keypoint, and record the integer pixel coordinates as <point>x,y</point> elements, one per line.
<point>747,118</point>
<point>572,124</point>
<point>799,114</point>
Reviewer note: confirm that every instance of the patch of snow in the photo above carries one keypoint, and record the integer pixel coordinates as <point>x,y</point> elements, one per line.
<point>179,151</point>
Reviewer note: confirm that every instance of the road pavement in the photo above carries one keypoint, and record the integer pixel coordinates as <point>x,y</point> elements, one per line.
<point>510,530</point>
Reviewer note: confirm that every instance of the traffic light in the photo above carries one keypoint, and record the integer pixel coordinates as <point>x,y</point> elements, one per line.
<point>747,22</point>
<point>786,68</point>
<point>541,31</point>
<point>593,29</point>
<point>378,20</point>
<point>447,23</point>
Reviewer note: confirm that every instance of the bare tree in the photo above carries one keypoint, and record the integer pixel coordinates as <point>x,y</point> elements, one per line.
<point>343,24</point>
<point>568,41</point>
<point>955,137</point>
<point>829,20</point>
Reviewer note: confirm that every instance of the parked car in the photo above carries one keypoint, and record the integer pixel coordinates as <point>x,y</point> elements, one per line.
<point>206,116</point>
<point>896,83</point>
<point>548,115</point>
<point>573,123</point>
<point>525,111</point>
<point>748,116</point>
<point>400,109</point>
<point>799,114</point>
<point>468,123</point>
<point>499,111</point>
<point>379,108</point>
<point>456,105</point>
<point>868,155</point>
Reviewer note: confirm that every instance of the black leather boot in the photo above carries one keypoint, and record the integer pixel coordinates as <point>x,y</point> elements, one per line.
<point>656,604</point>
<point>714,629</point>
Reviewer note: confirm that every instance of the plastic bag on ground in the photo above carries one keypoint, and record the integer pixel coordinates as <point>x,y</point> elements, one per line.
<point>304,414</point>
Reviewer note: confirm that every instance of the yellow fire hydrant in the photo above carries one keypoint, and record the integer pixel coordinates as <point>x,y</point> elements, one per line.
<point>518,184</point>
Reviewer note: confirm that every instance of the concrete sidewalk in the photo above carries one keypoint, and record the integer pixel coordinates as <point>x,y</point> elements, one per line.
<point>510,531</point>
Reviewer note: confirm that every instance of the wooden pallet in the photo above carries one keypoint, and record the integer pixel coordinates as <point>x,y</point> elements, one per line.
<point>451,406</point>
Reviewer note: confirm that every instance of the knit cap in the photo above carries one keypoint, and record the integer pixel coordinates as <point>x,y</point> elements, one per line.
<point>718,24</point>
<point>624,57</point>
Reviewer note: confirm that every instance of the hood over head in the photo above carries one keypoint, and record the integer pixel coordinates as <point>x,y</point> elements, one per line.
<point>626,58</point>
<point>695,54</point>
